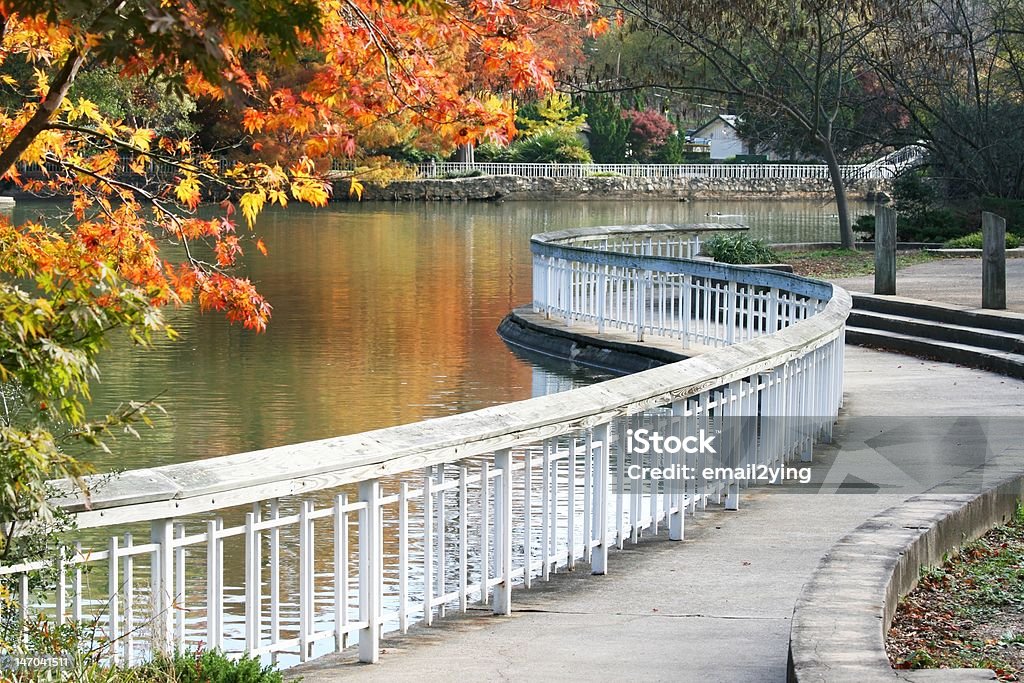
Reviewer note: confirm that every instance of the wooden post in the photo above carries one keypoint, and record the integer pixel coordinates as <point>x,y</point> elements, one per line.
<point>885,250</point>
<point>993,261</point>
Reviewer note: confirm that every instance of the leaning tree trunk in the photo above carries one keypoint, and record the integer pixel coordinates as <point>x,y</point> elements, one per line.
<point>845,227</point>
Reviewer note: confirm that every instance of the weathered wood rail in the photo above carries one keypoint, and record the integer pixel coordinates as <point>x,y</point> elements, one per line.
<point>295,551</point>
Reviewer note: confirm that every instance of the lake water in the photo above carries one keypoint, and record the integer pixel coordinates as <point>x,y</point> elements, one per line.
<point>383,314</point>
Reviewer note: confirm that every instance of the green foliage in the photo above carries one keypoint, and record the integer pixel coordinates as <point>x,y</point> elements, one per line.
<point>738,248</point>
<point>865,225</point>
<point>555,146</point>
<point>554,113</point>
<point>609,131</point>
<point>53,326</point>
<point>456,175</point>
<point>136,100</point>
<point>552,146</point>
<point>974,241</point>
<point>921,217</point>
<point>209,666</point>
<point>1010,209</point>
<point>673,151</point>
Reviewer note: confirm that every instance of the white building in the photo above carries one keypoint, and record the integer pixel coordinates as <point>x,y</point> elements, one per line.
<point>722,135</point>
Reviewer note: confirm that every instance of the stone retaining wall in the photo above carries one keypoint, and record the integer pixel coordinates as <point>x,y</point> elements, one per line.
<point>496,188</point>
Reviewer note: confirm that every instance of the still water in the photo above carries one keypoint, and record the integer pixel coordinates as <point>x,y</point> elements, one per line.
<point>383,314</point>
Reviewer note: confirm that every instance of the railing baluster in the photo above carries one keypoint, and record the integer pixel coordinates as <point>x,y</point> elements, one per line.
<point>503,531</point>
<point>370,570</point>
<point>599,556</point>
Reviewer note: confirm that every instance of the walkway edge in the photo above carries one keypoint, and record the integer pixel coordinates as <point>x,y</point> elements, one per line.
<point>846,608</point>
<point>528,330</point>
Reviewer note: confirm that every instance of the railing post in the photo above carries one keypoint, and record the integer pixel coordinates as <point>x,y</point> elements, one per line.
<point>993,264</point>
<point>599,556</point>
<point>370,568</point>
<point>885,250</point>
<point>503,532</point>
<point>162,533</point>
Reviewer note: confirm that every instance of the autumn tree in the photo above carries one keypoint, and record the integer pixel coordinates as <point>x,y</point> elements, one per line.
<point>66,284</point>
<point>793,61</point>
<point>648,131</point>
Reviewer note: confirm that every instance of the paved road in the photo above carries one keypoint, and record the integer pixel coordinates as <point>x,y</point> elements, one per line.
<point>717,606</point>
<point>953,281</point>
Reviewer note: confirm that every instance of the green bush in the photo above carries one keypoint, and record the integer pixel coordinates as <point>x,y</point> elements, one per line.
<point>209,666</point>
<point>921,217</point>
<point>865,224</point>
<point>549,147</point>
<point>739,249</point>
<point>1010,209</point>
<point>468,173</point>
<point>974,241</point>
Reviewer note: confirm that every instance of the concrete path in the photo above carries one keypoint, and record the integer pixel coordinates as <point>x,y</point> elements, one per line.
<point>952,281</point>
<point>717,606</point>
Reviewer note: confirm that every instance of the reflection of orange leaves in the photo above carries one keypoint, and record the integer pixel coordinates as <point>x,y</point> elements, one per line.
<point>261,247</point>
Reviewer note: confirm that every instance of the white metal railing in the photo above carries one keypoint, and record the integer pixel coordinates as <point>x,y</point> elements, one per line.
<point>296,551</point>
<point>735,171</point>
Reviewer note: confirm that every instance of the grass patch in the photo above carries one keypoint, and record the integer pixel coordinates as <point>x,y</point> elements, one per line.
<point>833,264</point>
<point>968,613</point>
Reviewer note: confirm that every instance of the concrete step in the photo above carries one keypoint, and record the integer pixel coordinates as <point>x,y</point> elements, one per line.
<point>940,331</point>
<point>1001,321</point>
<point>1003,362</point>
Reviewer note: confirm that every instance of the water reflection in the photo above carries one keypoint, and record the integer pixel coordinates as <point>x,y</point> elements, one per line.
<point>383,314</point>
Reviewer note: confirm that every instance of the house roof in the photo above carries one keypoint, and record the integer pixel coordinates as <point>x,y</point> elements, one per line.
<point>730,120</point>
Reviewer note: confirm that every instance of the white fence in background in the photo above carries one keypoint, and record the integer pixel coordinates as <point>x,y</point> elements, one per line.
<point>301,550</point>
<point>448,169</point>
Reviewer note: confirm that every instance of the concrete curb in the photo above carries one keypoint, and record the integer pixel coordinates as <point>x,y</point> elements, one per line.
<point>845,610</point>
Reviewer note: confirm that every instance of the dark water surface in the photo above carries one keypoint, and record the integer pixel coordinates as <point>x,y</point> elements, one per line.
<point>383,314</point>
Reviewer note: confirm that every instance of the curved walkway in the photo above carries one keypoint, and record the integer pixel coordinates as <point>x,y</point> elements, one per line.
<point>718,608</point>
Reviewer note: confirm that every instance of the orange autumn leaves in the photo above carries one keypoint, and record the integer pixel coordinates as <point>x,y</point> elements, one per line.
<point>444,68</point>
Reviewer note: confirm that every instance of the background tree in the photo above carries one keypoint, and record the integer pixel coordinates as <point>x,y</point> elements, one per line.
<point>795,62</point>
<point>960,81</point>
<point>608,129</point>
<point>648,132</point>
